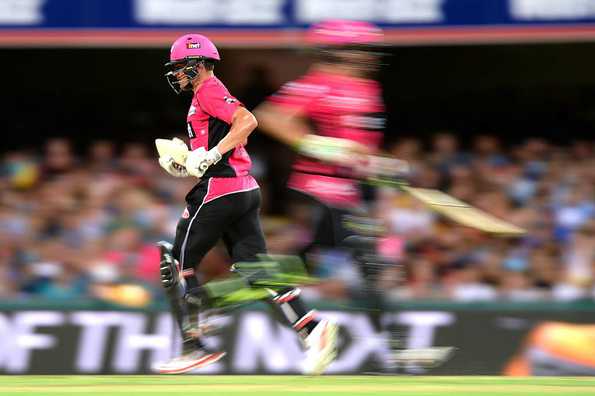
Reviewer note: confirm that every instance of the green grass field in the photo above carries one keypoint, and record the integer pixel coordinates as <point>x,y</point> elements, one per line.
<point>293,385</point>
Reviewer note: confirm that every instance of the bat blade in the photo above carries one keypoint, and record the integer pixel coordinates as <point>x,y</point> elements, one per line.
<point>463,213</point>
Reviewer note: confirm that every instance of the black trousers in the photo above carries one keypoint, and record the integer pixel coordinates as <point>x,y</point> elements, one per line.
<point>233,218</point>
<point>328,222</point>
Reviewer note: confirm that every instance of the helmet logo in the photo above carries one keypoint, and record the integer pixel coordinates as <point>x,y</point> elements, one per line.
<point>193,45</point>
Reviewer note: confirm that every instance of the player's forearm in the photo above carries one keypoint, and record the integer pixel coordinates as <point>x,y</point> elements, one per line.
<point>242,125</point>
<point>281,125</point>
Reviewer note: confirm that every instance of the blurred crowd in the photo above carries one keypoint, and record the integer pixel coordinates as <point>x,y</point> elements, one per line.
<point>83,223</point>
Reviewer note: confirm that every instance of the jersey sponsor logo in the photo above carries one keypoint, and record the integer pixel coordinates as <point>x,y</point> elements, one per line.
<point>363,121</point>
<point>229,100</point>
<point>347,100</point>
<point>193,45</point>
<point>303,88</point>
<point>191,133</point>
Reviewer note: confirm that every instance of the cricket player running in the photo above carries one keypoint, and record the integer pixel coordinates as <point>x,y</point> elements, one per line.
<point>338,102</point>
<point>340,99</point>
<point>224,204</point>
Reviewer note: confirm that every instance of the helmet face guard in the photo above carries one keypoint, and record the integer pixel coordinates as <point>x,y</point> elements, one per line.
<point>188,66</point>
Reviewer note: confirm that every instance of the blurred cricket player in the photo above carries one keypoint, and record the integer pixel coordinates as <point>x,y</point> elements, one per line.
<point>338,101</point>
<point>341,99</point>
<point>224,204</point>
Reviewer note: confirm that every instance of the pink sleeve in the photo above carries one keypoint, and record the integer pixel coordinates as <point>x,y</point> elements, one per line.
<point>298,95</point>
<point>218,102</point>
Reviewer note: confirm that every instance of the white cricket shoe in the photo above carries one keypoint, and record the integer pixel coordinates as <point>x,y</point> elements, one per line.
<point>188,362</point>
<point>321,348</point>
<point>425,357</point>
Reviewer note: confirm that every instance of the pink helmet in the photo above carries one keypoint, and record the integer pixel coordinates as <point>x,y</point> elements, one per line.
<point>339,33</point>
<point>193,46</point>
<point>186,53</point>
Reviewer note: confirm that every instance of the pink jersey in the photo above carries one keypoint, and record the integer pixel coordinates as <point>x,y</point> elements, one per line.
<point>208,121</point>
<point>339,106</point>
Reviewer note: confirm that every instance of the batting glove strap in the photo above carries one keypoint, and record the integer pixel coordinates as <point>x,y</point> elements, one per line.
<point>213,156</point>
<point>200,160</point>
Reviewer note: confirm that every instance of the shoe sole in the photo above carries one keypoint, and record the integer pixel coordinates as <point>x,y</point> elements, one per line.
<point>200,363</point>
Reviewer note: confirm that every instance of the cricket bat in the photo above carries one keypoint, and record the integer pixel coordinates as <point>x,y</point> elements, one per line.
<point>390,171</point>
<point>462,213</point>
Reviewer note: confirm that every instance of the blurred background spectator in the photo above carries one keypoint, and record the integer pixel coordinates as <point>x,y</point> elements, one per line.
<point>70,221</point>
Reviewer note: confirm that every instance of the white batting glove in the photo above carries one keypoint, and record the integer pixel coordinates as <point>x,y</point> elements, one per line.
<point>171,167</point>
<point>330,149</point>
<point>381,166</point>
<point>179,142</point>
<point>200,160</point>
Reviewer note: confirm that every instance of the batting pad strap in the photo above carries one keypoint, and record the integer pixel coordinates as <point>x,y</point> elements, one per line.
<point>188,272</point>
<point>304,320</point>
<point>286,297</point>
